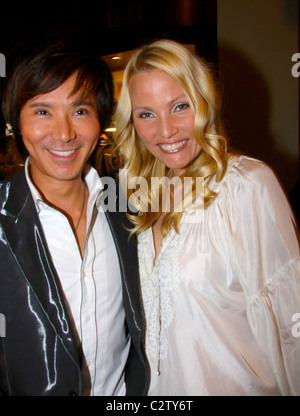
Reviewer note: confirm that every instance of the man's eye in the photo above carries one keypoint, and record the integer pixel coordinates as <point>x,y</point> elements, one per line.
<point>42,112</point>
<point>81,111</point>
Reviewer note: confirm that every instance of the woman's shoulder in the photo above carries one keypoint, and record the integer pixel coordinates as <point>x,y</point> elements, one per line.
<point>245,170</point>
<point>247,166</point>
<point>250,180</point>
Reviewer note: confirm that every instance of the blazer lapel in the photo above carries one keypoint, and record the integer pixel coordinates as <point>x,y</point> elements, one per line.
<point>25,236</point>
<point>127,253</point>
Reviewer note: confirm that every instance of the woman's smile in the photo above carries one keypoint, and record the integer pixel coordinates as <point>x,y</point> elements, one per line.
<point>173,147</point>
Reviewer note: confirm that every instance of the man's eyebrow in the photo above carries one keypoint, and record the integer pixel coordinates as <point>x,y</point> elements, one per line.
<point>76,103</point>
<point>40,104</point>
<point>80,102</point>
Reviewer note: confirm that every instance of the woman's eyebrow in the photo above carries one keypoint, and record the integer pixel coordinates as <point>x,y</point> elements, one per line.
<point>171,102</point>
<point>180,97</point>
<point>142,107</point>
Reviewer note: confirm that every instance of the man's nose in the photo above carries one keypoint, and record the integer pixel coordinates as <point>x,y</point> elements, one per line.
<point>63,129</point>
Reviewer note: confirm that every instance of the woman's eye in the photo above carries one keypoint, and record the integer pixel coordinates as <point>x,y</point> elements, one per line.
<point>180,107</point>
<point>145,115</point>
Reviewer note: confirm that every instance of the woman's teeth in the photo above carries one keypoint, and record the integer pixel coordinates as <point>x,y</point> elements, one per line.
<point>173,146</point>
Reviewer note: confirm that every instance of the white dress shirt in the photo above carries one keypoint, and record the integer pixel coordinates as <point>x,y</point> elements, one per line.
<point>221,296</point>
<point>92,288</point>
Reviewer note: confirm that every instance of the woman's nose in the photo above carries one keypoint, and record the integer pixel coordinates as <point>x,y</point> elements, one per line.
<point>167,127</point>
<point>63,129</point>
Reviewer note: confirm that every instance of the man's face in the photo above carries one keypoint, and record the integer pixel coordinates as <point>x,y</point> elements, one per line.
<point>60,131</point>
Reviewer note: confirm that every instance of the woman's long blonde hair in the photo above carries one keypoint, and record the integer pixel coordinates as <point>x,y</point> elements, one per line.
<point>195,77</point>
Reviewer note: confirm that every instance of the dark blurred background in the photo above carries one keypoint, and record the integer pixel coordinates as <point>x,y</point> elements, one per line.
<point>250,42</point>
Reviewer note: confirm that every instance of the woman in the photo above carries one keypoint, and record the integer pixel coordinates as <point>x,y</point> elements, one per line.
<point>220,274</point>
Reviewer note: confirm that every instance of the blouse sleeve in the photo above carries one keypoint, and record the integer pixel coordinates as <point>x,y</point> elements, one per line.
<point>264,239</point>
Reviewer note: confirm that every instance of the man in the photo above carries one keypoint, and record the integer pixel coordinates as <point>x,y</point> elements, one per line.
<point>69,286</point>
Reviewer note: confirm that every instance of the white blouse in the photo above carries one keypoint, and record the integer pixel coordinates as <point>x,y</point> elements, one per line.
<point>223,296</point>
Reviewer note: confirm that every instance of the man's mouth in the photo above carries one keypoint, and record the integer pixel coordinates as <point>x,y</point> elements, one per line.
<point>64,153</point>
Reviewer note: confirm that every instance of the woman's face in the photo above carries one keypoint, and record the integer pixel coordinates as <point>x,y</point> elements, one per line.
<point>163,119</point>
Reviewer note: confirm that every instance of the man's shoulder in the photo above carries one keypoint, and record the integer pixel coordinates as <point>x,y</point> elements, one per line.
<point>14,192</point>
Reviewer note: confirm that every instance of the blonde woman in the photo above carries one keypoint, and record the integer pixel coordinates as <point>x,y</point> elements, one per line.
<point>219,258</point>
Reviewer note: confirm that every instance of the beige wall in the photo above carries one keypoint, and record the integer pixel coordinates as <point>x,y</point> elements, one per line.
<point>257,39</point>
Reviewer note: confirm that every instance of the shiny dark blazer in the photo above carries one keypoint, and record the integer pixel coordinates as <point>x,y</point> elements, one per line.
<point>38,355</point>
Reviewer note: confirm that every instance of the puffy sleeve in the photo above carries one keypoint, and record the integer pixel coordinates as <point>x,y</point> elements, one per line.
<point>264,243</point>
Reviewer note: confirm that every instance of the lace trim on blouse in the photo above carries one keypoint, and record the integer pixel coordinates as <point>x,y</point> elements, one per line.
<point>158,281</point>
